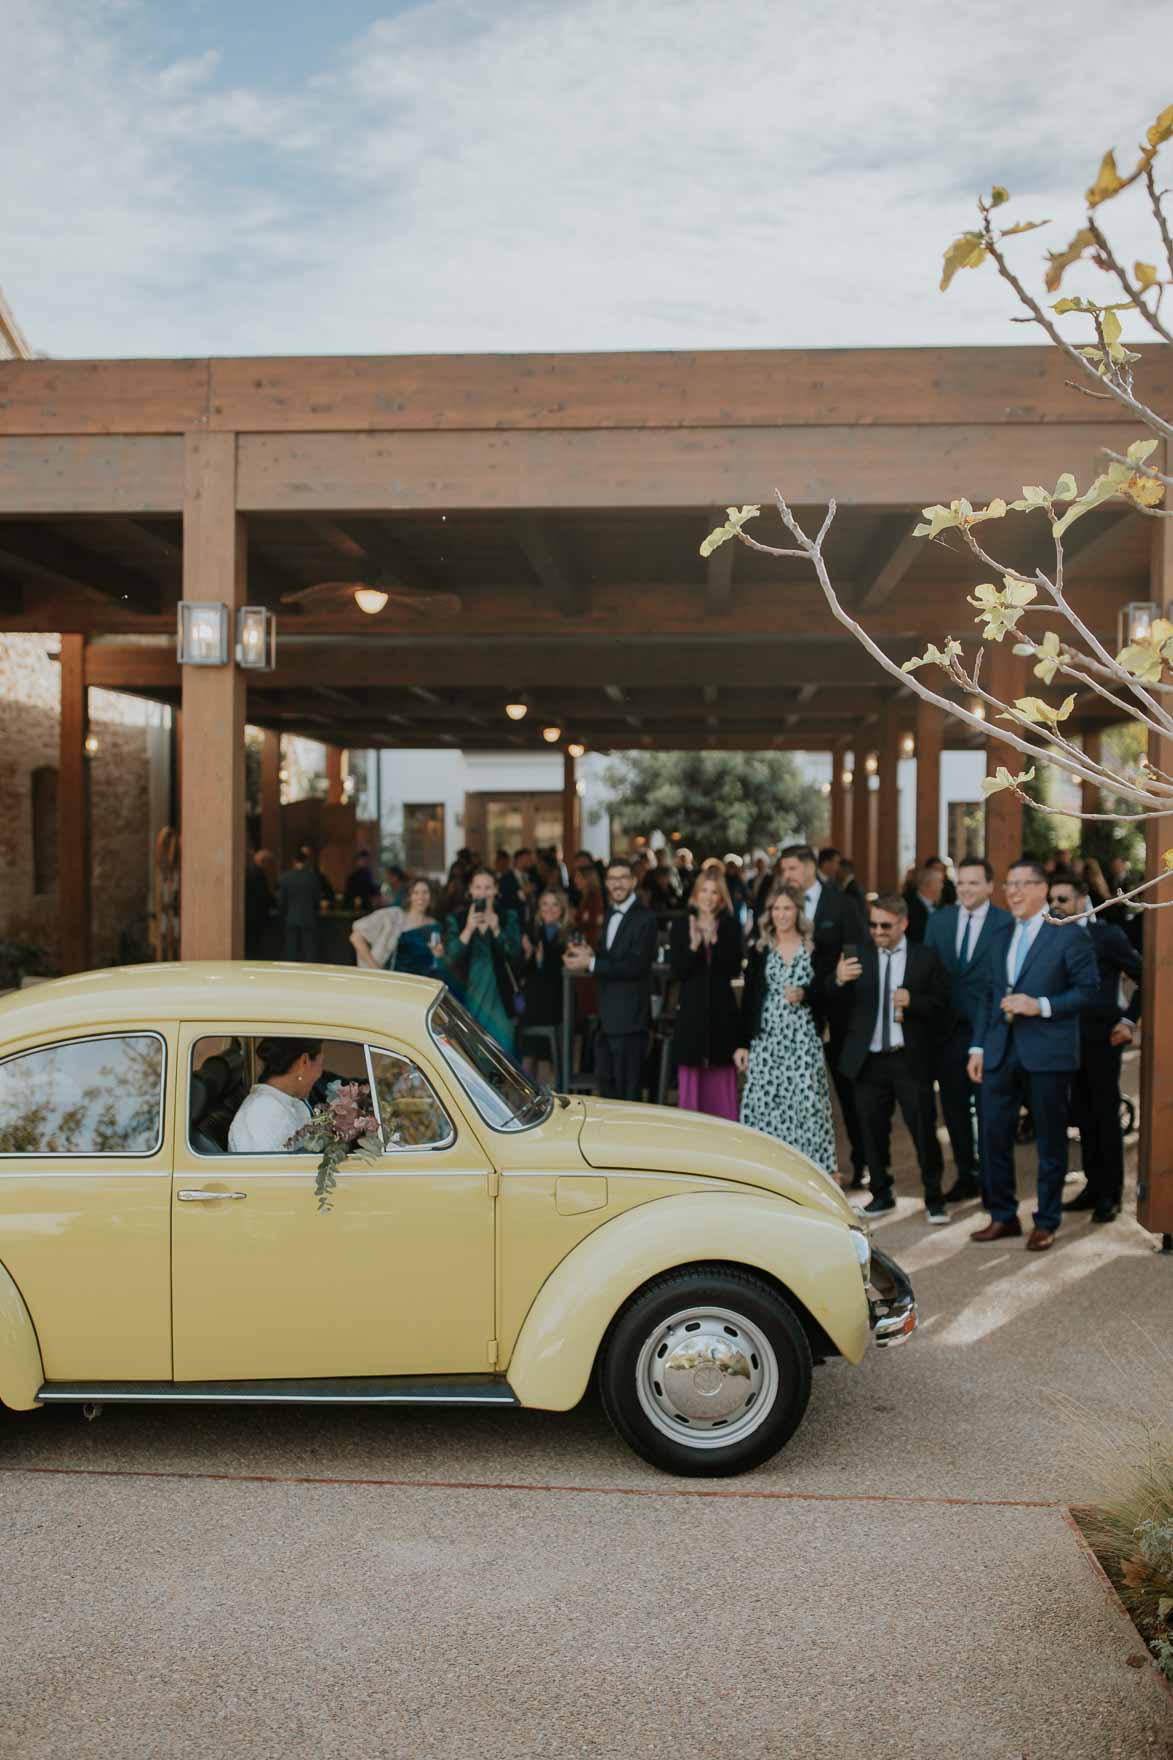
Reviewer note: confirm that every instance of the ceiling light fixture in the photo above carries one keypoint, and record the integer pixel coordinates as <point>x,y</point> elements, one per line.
<point>370,599</point>
<point>871,763</point>
<point>551,735</point>
<point>517,711</point>
<point>908,745</point>
<point>574,750</point>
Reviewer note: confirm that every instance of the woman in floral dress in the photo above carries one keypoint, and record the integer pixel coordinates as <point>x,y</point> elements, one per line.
<point>787,1094</point>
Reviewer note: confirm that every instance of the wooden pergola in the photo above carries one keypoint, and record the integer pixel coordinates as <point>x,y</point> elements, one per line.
<point>562,497</point>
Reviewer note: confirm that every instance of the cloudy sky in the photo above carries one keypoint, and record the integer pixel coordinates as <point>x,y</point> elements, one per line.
<point>190,177</point>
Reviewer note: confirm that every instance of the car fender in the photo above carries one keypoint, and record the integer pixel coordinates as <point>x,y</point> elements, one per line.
<point>21,1372</point>
<point>811,1255</point>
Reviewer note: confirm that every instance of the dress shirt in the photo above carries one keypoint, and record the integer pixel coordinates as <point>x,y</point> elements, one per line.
<point>964,918</point>
<point>897,959</point>
<point>1028,927</point>
<point>618,912</point>
<point>813,895</point>
<point>932,909</point>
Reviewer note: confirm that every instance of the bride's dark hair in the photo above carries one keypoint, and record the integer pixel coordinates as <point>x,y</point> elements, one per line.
<point>278,1056</point>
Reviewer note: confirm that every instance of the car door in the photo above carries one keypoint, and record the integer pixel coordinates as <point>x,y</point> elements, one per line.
<point>396,1278</point>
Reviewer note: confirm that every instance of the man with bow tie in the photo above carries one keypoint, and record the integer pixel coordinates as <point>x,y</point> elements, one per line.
<point>960,934</point>
<point>1037,979</point>
<point>622,963</point>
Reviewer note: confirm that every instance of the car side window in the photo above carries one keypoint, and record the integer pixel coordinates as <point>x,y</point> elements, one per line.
<point>409,1111</point>
<point>100,1096</point>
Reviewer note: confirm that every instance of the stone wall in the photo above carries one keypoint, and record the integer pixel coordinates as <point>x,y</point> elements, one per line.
<point>120,802</point>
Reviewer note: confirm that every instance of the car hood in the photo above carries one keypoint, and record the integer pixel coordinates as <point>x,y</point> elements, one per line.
<point>660,1139</point>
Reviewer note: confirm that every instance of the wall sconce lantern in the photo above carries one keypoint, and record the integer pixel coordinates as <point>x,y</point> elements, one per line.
<point>908,745</point>
<point>1135,622</point>
<point>256,638</point>
<point>871,763</point>
<point>91,745</point>
<point>202,636</point>
<point>574,750</point>
<point>847,777</point>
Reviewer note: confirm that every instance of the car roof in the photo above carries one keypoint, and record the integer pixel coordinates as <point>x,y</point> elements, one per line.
<point>344,998</point>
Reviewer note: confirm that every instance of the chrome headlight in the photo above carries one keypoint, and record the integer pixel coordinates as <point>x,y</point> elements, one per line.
<point>863,1250</point>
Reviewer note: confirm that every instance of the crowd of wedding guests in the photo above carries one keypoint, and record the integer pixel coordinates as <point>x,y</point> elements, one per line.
<point>775,983</point>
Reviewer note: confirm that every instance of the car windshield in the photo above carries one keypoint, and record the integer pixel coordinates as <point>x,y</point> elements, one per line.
<point>504,1095</point>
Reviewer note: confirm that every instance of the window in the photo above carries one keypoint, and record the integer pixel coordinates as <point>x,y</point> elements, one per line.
<point>504,1095</point>
<point>84,1097</point>
<point>409,1112</point>
<point>44,808</point>
<point>423,838</point>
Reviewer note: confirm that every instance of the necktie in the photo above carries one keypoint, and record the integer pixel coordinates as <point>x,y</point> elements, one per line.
<point>967,943</point>
<point>886,1006</point>
<point>1020,954</point>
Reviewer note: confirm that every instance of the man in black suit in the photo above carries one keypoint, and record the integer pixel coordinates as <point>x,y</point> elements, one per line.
<point>898,1001</point>
<point>623,966</point>
<point>924,899</point>
<point>836,921</point>
<point>959,935</point>
<point>299,899</point>
<point>1105,1028</point>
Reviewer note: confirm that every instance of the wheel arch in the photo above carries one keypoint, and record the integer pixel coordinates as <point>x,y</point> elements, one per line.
<point>21,1371</point>
<point>808,1258</point>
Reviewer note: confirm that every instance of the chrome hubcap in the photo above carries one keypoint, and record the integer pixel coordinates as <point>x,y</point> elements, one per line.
<point>707,1377</point>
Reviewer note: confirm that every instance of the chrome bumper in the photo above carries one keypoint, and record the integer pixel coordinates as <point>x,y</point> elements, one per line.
<point>891,1302</point>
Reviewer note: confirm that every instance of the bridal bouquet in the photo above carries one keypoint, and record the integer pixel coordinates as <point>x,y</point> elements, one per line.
<point>339,1127</point>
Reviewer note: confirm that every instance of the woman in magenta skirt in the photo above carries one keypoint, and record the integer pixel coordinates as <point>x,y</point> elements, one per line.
<point>706,957</point>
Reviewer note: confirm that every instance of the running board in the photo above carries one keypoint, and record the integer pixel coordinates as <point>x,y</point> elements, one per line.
<point>388,1390</point>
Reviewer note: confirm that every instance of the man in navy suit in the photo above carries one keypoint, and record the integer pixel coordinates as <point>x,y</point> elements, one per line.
<point>960,935</point>
<point>1036,980</point>
<point>1105,1028</point>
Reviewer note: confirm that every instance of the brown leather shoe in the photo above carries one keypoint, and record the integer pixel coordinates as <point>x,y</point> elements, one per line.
<point>1039,1239</point>
<point>998,1231</point>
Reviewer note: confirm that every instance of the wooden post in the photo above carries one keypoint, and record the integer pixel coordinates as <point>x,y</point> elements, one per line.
<point>334,795</point>
<point>569,809</point>
<point>1154,1193</point>
<point>1089,793</point>
<point>888,802</point>
<point>838,800</point>
<point>861,822</point>
<point>1005,678</point>
<point>215,554</point>
<point>930,730</point>
<point>74,888</point>
<point>271,837</point>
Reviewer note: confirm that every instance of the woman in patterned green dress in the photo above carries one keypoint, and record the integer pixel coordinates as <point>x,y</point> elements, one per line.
<point>787,1094</point>
<point>483,952</point>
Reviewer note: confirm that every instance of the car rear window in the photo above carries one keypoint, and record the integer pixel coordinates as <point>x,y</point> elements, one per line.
<point>100,1096</point>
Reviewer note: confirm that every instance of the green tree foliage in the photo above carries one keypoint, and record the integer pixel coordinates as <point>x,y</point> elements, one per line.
<point>717,801</point>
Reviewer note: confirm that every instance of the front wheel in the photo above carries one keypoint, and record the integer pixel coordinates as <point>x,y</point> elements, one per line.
<point>707,1372</point>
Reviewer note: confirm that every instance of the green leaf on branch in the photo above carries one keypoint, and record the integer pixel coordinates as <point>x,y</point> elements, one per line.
<point>1066,489</point>
<point>1146,275</point>
<point>1000,608</point>
<point>1023,226</point>
<point>1048,653</point>
<point>721,535</point>
<point>1162,128</point>
<point>1142,450</point>
<point>1002,779</point>
<point>998,195</point>
<point>934,656</point>
<point>1108,181</point>
<point>966,252</point>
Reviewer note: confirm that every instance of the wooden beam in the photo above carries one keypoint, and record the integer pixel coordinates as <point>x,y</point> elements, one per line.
<point>74,897</point>
<point>1005,678</point>
<point>861,820</point>
<point>103,397</point>
<point>538,471</point>
<point>570,837</point>
<point>839,800</point>
<point>719,571</point>
<point>113,474</point>
<point>930,733</point>
<point>334,795</point>
<point>12,596</point>
<point>1155,1167</point>
<point>895,552</point>
<point>888,803</point>
<point>1089,793</point>
<point>215,553</point>
<point>548,566</point>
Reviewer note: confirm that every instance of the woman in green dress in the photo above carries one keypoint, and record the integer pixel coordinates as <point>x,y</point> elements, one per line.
<point>483,953</point>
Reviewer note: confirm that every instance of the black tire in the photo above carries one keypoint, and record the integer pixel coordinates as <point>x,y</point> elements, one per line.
<point>740,1295</point>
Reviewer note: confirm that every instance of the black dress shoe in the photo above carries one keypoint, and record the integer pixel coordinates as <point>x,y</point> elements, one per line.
<point>879,1206</point>
<point>961,1191</point>
<point>1105,1212</point>
<point>1084,1201</point>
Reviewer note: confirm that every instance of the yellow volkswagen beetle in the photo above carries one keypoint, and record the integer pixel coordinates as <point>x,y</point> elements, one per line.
<point>496,1246</point>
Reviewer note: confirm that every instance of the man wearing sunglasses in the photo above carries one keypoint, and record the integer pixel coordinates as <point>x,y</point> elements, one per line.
<point>1037,979</point>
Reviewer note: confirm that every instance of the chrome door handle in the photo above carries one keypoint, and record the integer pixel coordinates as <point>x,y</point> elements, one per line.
<point>201,1197</point>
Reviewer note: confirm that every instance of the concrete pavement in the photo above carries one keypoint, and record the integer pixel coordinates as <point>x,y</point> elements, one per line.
<point>900,1581</point>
